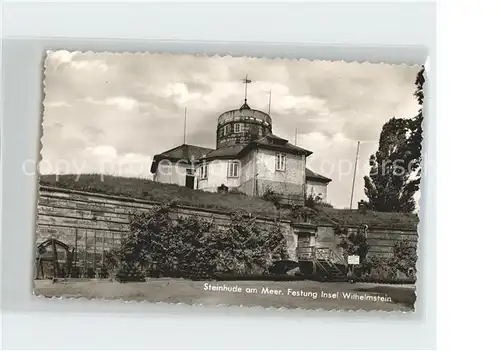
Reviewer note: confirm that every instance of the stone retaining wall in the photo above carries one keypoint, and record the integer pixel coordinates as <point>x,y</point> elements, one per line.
<point>93,223</point>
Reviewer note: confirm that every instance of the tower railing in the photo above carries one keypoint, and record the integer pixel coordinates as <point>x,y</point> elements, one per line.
<point>235,115</point>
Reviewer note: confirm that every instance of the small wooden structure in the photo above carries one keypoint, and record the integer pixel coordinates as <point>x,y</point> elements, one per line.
<point>54,259</point>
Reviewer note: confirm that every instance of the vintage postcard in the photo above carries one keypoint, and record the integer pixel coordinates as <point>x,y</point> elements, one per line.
<point>229,181</point>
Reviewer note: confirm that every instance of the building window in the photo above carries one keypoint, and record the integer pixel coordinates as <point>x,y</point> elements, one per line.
<point>237,128</point>
<point>203,171</point>
<point>280,161</point>
<point>227,129</point>
<point>233,169</point>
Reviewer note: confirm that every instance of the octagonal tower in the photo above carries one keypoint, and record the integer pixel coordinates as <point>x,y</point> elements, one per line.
<point>241,126</point>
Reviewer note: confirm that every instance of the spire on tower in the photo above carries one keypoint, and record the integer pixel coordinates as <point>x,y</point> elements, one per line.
<point>246,81</point>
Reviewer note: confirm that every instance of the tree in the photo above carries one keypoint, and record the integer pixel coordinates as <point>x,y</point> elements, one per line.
<point>395,168</point>
<point>415,125</point>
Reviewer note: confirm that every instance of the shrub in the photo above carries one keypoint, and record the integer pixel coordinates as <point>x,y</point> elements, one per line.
<point>111,259</point>
<point>312,200</point>
<point>90,273</point>
<point>222,189</point>
<point>192,247</point>
<point>354,244</point>
<point>316,202</point>
<point>75,272</point>
<point>271,196</point>
<point>130,272</point>
<point>379,269</point>
<point>235,191</point>
<point>103,273</point>
<point>323,204</point>
<point>404,258</point>
<point>153,271</point>
<point>303,213</point>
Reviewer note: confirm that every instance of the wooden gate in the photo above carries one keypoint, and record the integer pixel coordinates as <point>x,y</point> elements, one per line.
<point>54,259</point>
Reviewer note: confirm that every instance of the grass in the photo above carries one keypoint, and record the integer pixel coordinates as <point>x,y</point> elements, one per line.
<point>369,218</point>
<point>146,189</point>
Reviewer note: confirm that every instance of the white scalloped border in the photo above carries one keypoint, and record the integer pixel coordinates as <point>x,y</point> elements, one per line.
<point>254,307</point>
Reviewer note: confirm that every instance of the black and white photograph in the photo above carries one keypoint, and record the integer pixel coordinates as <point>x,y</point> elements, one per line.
<point>229,181</point>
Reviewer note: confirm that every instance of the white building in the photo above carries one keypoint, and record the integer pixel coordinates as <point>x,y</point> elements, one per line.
<point>248,157</point>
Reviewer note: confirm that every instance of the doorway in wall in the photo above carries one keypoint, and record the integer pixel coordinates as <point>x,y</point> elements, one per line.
<point>189,181</point>
<point>190,178</point>
<point>303,240</point>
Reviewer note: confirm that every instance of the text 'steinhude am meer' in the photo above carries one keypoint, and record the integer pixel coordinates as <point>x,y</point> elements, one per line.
<point>229,181</point>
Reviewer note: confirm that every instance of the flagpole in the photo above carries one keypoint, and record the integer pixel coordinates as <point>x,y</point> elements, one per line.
<point>185,123</point>
<point>354,176</point>
<point>269,108</point>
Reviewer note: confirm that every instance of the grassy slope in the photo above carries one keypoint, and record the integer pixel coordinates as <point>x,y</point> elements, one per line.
<point>149,190</point>
<point>371,218</point>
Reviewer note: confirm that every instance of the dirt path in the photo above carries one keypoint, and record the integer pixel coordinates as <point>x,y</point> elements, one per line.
<point>297,294</point>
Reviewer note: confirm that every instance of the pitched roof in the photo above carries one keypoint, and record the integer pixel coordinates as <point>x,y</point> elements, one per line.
<point>181,152</point>
<point>189,152</point>
<point>271,138</point>
<point>227,152</point>
<point>316,176</point>
<point>274,142</point>
<point>245,106</point>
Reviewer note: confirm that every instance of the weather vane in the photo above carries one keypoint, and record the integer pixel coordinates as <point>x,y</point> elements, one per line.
<point>246,81</point>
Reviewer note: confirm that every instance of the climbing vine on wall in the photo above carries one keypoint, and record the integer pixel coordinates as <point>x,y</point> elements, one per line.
<point>189,246</point>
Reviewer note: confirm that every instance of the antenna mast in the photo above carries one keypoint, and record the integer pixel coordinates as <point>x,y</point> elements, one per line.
<point>269,108</point>
<point>185,123</point>
<point>295,136</point>
<point>354,176</point>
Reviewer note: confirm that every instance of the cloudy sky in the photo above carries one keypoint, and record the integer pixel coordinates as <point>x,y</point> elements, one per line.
<point>112,112</point>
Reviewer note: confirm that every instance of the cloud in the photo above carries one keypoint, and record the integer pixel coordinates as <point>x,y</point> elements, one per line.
<point>121,102</point>
<point>102,152</point>
<point>89,65</point>
<point>124,108</point>
<point>100,159</point>
<point>74,61</point>
<point>60,57</point>
<point>49,104</point>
